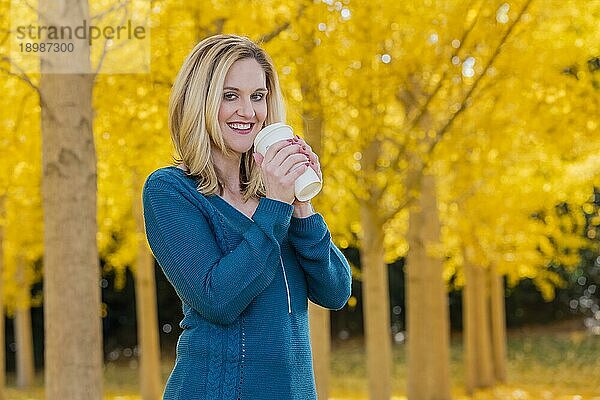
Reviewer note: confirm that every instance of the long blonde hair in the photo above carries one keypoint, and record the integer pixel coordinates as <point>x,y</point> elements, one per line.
<point>194,107</point>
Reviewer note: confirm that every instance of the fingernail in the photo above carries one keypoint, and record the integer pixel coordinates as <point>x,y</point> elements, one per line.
<point>290,140</point>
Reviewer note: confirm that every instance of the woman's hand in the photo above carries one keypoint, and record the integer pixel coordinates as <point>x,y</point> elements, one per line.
<point>314,164</point>
<point>282,164</point>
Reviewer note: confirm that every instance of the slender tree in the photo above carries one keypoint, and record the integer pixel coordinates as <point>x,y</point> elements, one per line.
<point>2,353</point>
<point>308,74</point>
<point>23,336</point>
<point>428,320</point>
<point>477,327</point>
<point>498,317</point>
<point>146,312</point>
<point>73,344</point>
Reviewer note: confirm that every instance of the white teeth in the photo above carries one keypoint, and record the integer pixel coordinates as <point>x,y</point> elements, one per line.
<point>240,126</point>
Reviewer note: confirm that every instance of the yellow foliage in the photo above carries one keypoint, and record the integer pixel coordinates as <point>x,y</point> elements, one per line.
<point>391,77</point>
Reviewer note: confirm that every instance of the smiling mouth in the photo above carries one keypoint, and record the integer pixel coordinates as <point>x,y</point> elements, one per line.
<point>241,128</point>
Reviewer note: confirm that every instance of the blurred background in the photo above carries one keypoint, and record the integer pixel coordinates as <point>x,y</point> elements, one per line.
<point>459,143</point>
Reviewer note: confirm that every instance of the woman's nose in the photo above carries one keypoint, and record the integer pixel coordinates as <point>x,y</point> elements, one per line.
<point>246,110</point>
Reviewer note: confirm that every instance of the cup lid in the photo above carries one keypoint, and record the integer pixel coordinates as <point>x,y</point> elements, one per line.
<point>268,129</point>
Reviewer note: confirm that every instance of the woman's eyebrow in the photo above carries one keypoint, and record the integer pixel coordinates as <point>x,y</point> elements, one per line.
<point>236,89</point>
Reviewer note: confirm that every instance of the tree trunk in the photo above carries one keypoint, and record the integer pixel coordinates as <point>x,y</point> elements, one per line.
<point>319,317</point>
<point>320,337</point>
<point>483,355</point>
<point>469,329</point>
<point>375,287</point>
<point>72,320</point>
<point>146,314</point>
<point>427,304</point>
<point>2,338</point>
<point>498,325</point>
<point>23,337</point>
<point>376,309</point>
<point>479,372</point>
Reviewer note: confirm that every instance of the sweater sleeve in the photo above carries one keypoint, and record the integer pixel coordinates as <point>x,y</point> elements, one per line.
<point>326,269</point>
<point>218,286</point>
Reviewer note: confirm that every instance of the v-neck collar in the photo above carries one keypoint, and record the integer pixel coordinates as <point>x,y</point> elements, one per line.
<point>231,208</point>
<point>220,203</point>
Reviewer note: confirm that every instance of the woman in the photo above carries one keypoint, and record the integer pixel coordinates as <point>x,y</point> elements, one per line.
<point>241,252</point>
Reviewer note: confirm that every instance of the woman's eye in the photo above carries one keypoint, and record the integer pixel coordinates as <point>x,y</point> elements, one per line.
<point>258,96</point>
<point>229,96</point>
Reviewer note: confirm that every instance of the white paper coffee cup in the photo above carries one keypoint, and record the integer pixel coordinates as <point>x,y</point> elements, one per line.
<point>308,185</point>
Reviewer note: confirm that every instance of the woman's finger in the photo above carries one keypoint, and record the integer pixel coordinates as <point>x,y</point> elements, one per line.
<point>274,149</point>
<point>258,158</point>
<point>306,149</point>
<point>302,142</point>
<point>312,156</point>
<point>284,153</point>
<point>317,170</point>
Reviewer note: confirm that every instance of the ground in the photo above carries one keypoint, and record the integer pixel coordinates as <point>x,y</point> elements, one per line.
<point>551,362</point>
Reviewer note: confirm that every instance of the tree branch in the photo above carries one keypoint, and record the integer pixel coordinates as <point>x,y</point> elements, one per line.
<point>354,193</point>
<point>21,112</point>
<point>217,27</point>
<point>413,123</point>
<point>165,83</point>
<point>21,75</point>
<point>105,49</point>
<point>267,37</point>
<point>412,185</point>
<point>408,200</point>
<point>5,37</point>
<point>105,46</point>
<point>274,33</point>
<point>115,7</point>
<point>421,112</point>
<point>43,17</point>
<point>468,97</point>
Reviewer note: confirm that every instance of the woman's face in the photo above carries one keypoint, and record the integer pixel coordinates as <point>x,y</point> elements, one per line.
<point>243,106</point>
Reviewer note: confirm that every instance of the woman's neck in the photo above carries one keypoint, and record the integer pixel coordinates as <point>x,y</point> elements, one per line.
<point>229,171</point>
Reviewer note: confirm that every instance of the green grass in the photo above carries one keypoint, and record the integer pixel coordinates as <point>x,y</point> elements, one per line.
<point>543,363</point>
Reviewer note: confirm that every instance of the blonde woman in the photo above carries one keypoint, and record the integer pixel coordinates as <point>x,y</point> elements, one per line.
<point>241,252</point>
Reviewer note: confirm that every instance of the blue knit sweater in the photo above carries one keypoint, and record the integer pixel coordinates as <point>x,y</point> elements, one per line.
<point>244,285</point>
